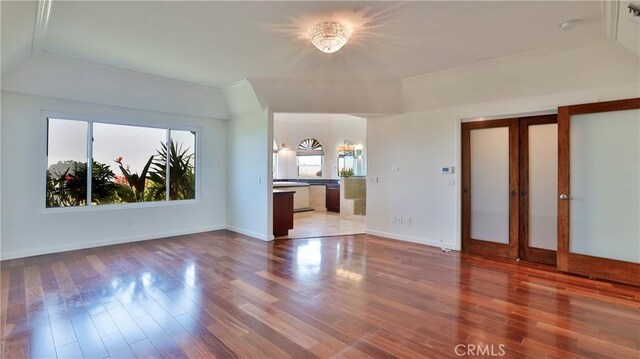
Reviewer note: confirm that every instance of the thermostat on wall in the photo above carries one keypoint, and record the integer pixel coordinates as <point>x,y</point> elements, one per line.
<point>447,170</point>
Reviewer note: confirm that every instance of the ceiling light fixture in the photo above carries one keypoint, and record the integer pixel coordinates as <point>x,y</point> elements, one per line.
<point>330,36</point>
<point>634,9</point>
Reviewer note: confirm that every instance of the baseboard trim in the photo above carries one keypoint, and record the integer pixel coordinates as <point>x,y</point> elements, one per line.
<point>249,233</point>
<point>121,240</point>
<point>412,239</point>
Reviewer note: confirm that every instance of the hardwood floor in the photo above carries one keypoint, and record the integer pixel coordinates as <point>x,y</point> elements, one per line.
<point>225,295</point>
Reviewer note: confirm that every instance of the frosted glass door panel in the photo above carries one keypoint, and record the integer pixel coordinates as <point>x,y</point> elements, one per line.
<point>543,186</point>
<point>490,184</point>
<point>605,185</point>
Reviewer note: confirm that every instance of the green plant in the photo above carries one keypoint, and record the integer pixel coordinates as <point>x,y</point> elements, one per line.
<point>63,188</point>
<point>346,172</point>
<point>181,173</point>
<point>68,187</point>
<point>134,192</point>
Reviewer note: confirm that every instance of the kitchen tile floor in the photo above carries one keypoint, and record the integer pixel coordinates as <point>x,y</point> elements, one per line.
<point>322,224</point>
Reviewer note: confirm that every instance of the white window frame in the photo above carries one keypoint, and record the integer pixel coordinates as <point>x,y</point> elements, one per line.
<point>310,153</point>
<point>90,120</point>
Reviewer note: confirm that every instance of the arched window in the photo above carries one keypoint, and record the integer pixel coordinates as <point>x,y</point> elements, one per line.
<point>310,155</point>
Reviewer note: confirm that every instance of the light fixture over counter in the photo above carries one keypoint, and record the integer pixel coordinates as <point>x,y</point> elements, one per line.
<point>329,36</point>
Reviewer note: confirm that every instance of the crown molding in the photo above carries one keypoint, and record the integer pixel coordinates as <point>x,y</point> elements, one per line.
<point>236,85</point>
<point>43,12</point>
<point>610,14</point>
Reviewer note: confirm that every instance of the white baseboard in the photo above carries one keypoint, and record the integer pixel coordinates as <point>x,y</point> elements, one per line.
<point>85,245</point>
<point>412,239</point>
<point>250,233</point>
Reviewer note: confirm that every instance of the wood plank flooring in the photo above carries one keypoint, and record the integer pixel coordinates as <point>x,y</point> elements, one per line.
<point>220,294</point>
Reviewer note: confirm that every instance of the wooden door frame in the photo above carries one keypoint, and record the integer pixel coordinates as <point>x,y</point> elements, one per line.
<point>526,252</point>
<point>627,272</point>
<point>509,250</point>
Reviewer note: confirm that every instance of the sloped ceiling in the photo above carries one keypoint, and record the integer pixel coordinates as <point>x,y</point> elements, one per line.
<point>219,43</point>
<point>18,19</point>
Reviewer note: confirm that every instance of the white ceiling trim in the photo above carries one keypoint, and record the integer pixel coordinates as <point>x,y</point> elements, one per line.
<point>237,85</point>
<point>43,12</point>
<point>610,18</point>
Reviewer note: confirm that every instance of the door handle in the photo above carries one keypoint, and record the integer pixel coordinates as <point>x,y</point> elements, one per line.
<point>565,197</point>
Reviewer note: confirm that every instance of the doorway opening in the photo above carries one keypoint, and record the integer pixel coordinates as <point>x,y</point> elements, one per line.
<point>320,159</point>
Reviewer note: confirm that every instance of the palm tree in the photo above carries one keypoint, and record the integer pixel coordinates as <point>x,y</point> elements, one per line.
<point>181,173</point>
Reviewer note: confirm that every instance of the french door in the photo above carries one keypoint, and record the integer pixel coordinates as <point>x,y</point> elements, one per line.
<point>490,203</point>
<point>599,190</point>
<point>509,187</point>
<point>538,236</point>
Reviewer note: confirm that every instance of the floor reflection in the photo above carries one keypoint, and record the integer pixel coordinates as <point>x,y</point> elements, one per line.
<point>309,257</point>
<point>349,296</point>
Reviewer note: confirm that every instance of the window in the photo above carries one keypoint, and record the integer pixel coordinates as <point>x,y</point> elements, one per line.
<point>128,164</point>
<point>66,163</point>
<point>310,156</point>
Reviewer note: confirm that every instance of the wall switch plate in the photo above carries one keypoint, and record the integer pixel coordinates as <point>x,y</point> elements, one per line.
<point>408,220</point>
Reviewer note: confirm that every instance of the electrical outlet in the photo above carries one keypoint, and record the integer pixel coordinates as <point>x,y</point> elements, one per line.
<point>400,220</point>
<point>408,220</point>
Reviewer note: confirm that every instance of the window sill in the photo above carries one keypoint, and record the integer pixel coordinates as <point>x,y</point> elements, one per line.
<point>118,206</point>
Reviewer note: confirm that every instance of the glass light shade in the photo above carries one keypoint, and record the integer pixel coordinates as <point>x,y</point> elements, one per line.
<point>329,37</point>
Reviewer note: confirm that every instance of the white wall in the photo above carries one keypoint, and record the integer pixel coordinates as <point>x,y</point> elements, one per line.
<point>28,230</point>
<point>249,186</point>
<point>427,136</point>
<point>330,129</point>
<point>628,30</point>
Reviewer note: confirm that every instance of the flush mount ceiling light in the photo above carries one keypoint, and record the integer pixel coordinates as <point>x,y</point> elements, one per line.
<point>329,36</point>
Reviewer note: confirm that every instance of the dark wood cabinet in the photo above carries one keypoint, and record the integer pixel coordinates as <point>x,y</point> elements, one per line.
<point>333,198</point>
<point>282,212</point>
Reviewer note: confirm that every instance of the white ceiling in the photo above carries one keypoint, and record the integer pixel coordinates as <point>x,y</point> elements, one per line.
<point>219,43</point>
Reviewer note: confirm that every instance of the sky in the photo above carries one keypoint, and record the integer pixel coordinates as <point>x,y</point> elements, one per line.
<point>68,141</point>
